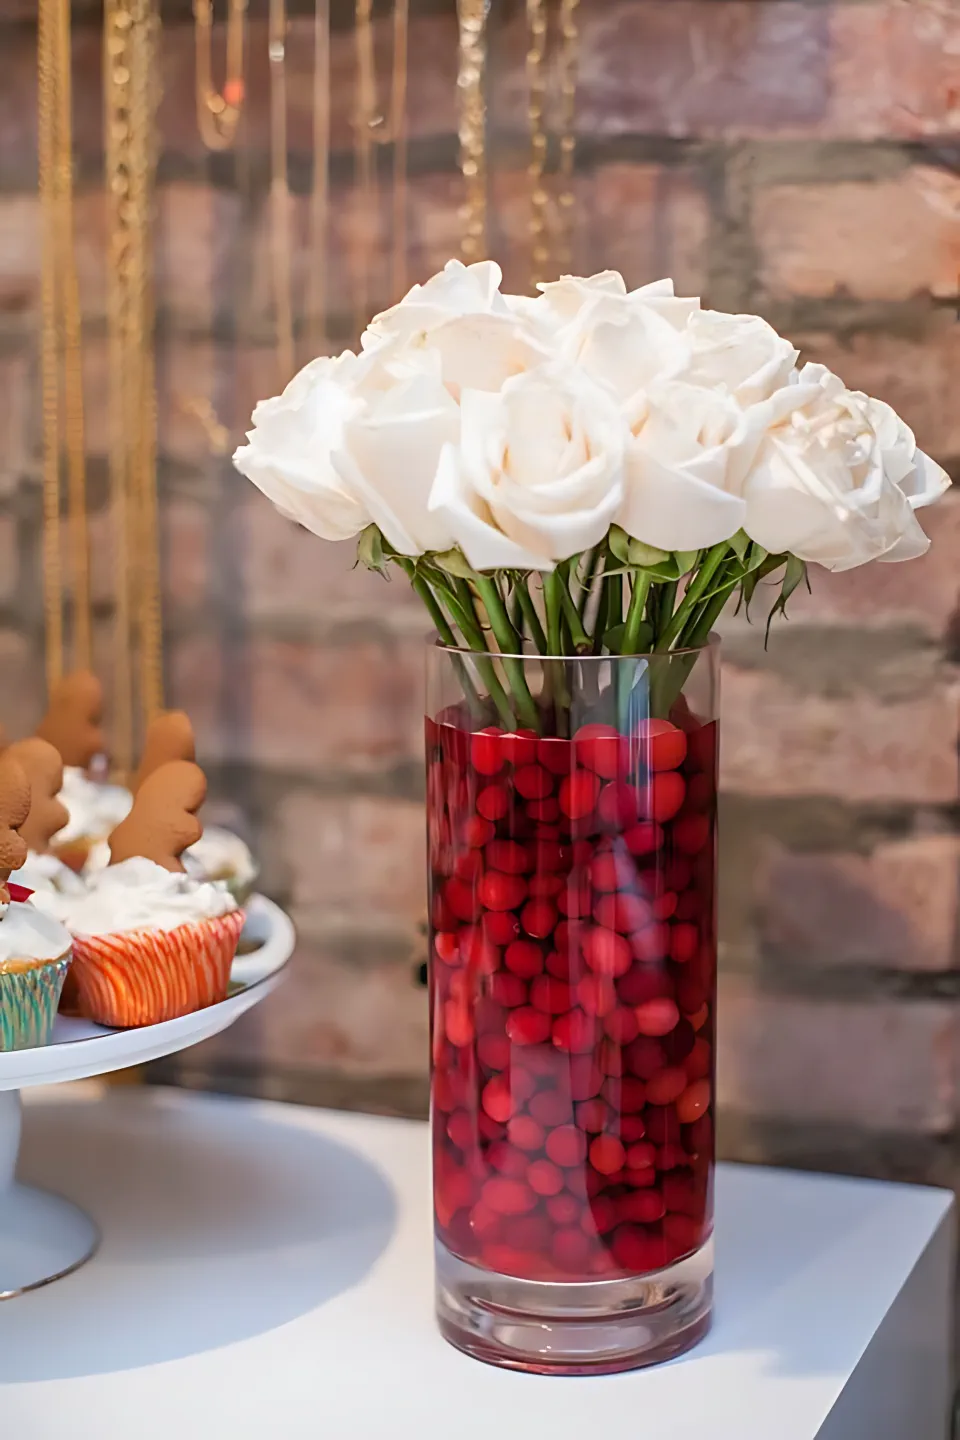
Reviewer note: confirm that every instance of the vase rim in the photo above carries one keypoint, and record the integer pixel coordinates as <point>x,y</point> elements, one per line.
<point>712,642</point>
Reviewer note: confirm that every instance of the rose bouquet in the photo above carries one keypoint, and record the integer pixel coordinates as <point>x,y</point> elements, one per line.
<point>576,485</point>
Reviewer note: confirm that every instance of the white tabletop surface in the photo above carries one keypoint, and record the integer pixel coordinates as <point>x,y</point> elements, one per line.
<point>266,1272</point>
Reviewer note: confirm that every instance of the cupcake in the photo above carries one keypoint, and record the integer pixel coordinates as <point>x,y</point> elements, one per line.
<point>34,947</point>
<point>150,941</point>
<point>72,725</point>
<point>219,854</point>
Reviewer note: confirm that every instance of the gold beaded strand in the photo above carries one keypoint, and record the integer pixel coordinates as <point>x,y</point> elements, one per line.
<point>472,130</point>
<point>280,191</point>
<point>569,36</point>
<point>218,111</point>
<point>320,191</point>
<point>539,198</point>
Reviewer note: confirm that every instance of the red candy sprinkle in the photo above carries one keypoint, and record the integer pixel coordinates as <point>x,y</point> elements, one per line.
<point>578,794</point>
<point>528,1026</point>
<point>532,782</point>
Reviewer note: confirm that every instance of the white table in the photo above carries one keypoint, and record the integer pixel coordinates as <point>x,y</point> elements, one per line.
<point>265,1274</point>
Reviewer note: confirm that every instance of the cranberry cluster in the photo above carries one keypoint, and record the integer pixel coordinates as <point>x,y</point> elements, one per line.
<point>573,965</point>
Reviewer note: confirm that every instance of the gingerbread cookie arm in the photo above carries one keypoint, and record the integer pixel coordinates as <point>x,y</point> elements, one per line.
<point>44,769</point>
<point>163,822</point>
<point>73,720</point>
<point>14,809</point>
<point>169,737</point>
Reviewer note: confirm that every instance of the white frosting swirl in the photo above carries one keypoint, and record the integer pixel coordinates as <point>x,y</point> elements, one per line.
<point>218,855</point>
<point>28,934</point>
<point>46,872</point>
<point>95,809</point>
<point>137,894</point>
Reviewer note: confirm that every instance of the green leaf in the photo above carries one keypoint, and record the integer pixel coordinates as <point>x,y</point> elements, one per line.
<point>794,575</point>
<point>645,556</point>
<point>370,550</point>
<point>739,544</point>
<point>453,562</point>
<point>613,638</point>
<point>618,542</point>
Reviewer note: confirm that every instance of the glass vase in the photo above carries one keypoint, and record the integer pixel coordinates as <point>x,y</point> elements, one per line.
<point>571,818</point>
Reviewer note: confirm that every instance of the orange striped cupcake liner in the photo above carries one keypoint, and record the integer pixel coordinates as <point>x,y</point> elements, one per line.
<point>141,977</point>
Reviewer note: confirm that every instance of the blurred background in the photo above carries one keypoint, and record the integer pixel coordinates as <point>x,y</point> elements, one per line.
<point>800,158</point>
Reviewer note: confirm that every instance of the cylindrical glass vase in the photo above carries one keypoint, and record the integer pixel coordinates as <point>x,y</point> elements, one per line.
<point>571,816</point>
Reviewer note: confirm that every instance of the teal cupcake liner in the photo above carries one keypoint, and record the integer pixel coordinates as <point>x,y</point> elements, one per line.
<point>28,1003</point>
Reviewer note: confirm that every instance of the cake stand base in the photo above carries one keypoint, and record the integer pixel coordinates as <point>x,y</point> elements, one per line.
<point>42,1237</point>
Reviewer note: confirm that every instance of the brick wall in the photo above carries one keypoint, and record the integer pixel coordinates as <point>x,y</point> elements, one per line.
<point>799,157</point>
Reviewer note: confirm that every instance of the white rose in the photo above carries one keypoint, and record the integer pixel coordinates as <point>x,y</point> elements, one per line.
<point>676,467</point>
<point>388,456</point>
<point>739,354</point>
<point>289,452</point>
<point>837,477</point>
<point>566,301</point>
<point>457,289</point>
<point>540,466</point>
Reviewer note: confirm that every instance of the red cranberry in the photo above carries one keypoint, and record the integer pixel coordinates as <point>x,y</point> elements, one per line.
<point>462,900</point>
<point>575,1032</point>
<point>606,952</point>
<point>502,892</point>
<point>562,1209</point>
<point>480,956</point>
<point>610,871</point>
<point>497,1100</point>
<point>664,905</point>
<point>532,782</point>
<point>462,1130</point>
<point>645,1207</point>
<point>586,1077</point>
<point>550,995</point>
<point>643,838</point>
<point>570,1248</point>
<point>508,856</point>
<point>501,927</point>
<point>578,794</point>
<point>544,1177</point>
<point>643,982</point>
<point>575,899</point>
<point>621,1025</point>
<point>596,994</point>
<point>486,752</point>
<point>657,1017</point>
<point>477,831</point>
<point>682,1232</point>
<point>493,802</point>
<point>458,1023</point>
<point>523,958</point>
<point>493,1052</point>
<point>506,1160</point>
<point>520,748</point>
<point>601,749</point>
<point>626,1094</point>
<point>545,887</point>
<point>547,810</point>
<point>524,1133</point>
<point>664,746</point>
<point>508,1197</point>
<point>698,1062</point>
<point>645,1056</point>
<point>551,1108</point>
<point>566,1146</point>
<point>593,1114</point>
<point>556,755</point>
<point>623,912</point>
<point>508,989</point>
<point>446,947</point>
<point>528,1026</point>
<point>667,1085</point>
<point>557,964</point>
<point>618,806</point>
<point>601,1216</point>
<point>538,918</point>
<point>693,1102</point>
<point>607,1154</point>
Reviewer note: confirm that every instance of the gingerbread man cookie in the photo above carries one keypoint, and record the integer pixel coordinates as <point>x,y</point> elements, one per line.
<point>163,822</point>
<point>44,769</point>
<point>169,737</point>
<point>14,809</point>
<point>74,717</point>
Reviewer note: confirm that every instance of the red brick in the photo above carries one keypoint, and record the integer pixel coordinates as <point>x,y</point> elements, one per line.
<point>186,554</point>
<point>924,592</point>
<point>288,572</point>
<point>197,228</point>
<point>895,908</point>
<point>18,421</point>
<point>9,558</point>
<point>23,685</point>
<point>895,69</point>
<point>882,240</point>
<point>328,1014</point>
<point>19,252</point>
<point>917,376</point>
<point>352,861</point>
<point>779,740</point>
<point>888,1066</point>
<point>303,706</point>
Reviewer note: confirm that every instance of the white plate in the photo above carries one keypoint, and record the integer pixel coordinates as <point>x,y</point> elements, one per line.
<point>79,1049</point>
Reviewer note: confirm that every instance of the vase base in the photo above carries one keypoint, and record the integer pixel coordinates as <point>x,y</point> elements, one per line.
<point>590,1328</point>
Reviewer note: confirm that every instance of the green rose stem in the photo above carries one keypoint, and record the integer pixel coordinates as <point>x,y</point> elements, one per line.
<point>529,611</point>
<point>592,560</point>
<point>695,592</point>
<point>553,605</point>
<point>635,612</point>
<point>579,638</point>
<point>510,647</point>
<point>465,617</point>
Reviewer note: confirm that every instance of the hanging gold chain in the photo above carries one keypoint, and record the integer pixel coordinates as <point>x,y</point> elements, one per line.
<point>280,190</point>
<point>320,192</point>
<point>539,248</point>
<point>218,111</point>
<point>367,117</point>
<point>570,38</point>
<point>131,30</point>
<point>62,386</point>
<point>398,134</point>
<point>472,18</point>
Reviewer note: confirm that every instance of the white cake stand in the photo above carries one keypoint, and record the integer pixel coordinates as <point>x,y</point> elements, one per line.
<point>43,1236</point>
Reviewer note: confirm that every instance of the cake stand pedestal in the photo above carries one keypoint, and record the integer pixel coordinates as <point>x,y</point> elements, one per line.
<point>43,1236</point>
